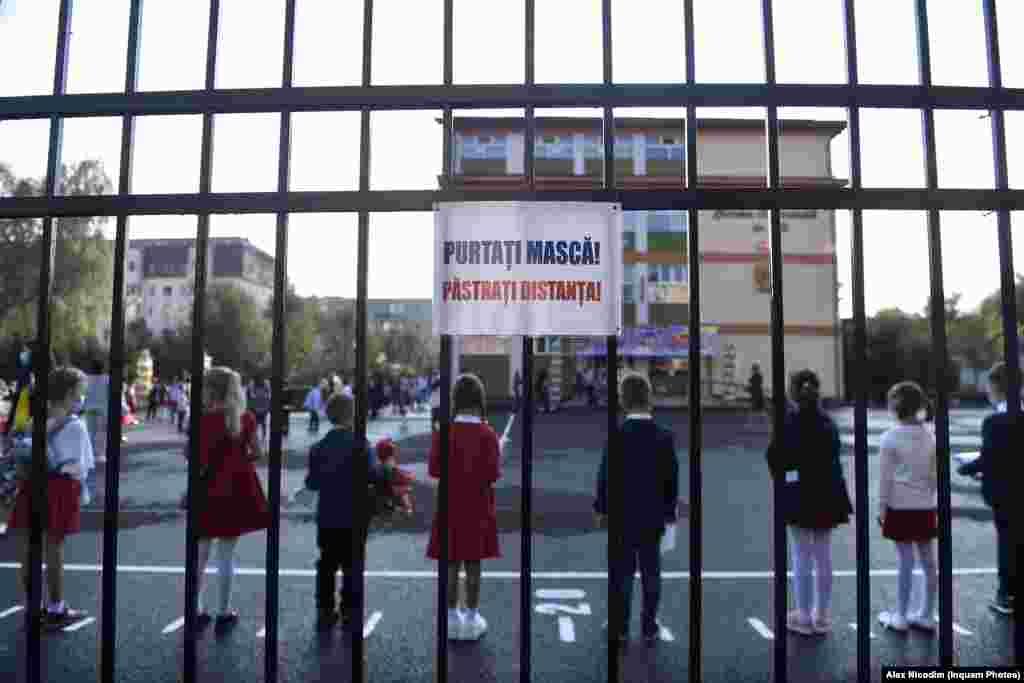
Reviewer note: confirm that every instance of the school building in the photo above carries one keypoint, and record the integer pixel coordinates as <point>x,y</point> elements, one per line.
<point>735,280</point>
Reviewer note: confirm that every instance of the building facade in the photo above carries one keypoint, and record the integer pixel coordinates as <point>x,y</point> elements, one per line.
<point>735,275</point>
<point>159,282</point>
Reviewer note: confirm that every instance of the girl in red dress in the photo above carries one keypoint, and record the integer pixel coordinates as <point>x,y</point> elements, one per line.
<point>474,466</point>
<point>67,435</point>
<point>234,503</point>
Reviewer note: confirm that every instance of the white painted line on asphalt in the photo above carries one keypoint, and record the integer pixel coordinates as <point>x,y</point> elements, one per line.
<point>666,635</point>
<point>560,594</point>
<point>81,624</point>
<point>174,625</point>
<point>508,427</point>
<point>581,610</point>
<point>419,574</point>
<point>566,630</point>
<point>961,630</point>
<point>763,630</point>
<point>11,610</point>
<point>853,627</point>
<point>371,624</point>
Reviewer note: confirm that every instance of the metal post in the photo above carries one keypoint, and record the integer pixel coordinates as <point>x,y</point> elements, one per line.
<point>112,498</point>
<point>778,341</point>
<point>198,362</point>
<point>278,417</point>
<point>1007,281</point>
<point>360,472</point>
<point>526,406</point>
<point>696,512</point>
<point>940,357</point>
<point>860,393</point>
<point>442,514</point>
<point>41,366</point>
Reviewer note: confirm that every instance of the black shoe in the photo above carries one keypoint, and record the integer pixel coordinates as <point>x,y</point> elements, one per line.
<point>326,618</point>
<point>1002,603</point>
<point>55,621</point>
<point>652,634</point>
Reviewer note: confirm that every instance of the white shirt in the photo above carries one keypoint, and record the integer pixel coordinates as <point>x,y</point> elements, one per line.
<point>908,479</point>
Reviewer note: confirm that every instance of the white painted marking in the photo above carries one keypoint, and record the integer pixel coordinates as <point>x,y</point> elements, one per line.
<point>174,625</point>
<point>763,630</point>
<point>508,427</point>
<point>853,627</point>
<point>581,610</point>
<point>11,610</point>
<point>422,574</point>
<point>961,630</point>
<point>262,633</point>
<point>81,624</point>
<point>371,624</point>
<point>666,635</point>
<point>560,594</point>
<point>566,630</point>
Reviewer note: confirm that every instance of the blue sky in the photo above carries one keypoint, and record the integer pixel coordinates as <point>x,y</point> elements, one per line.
<point>648,41</point>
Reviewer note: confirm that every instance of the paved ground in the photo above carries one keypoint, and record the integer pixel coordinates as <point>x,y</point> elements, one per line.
<point>568,557</point>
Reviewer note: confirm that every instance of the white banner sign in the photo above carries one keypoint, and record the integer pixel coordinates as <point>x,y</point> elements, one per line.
<point>531,268</point>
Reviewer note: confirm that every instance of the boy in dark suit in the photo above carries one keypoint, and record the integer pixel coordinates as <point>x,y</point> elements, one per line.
<point>651,483</point>
<point>997,465</point>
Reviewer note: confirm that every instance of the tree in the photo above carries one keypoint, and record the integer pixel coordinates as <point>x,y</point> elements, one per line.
<point>82,271</point>
<point>238,335</point>
<point>302,320</point>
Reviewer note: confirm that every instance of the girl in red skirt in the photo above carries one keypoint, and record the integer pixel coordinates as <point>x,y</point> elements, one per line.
<point>68,436</point>
<point>907,498</point>
<point>234,503</point>
<point>474,466</point>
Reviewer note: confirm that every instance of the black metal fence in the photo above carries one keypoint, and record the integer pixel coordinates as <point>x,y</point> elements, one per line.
<point>365,98</point>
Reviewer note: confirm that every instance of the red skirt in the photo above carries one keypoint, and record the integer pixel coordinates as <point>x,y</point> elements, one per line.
<point>63,497</point>
<point>905,526</point>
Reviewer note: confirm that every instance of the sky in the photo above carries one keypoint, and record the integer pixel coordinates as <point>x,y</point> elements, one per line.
<point>488,39</point>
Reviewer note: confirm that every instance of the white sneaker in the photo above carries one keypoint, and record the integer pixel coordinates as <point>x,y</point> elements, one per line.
<point>476,627</point>
<point>456,625</point>
<point>891,620</point>
<point>923,622</point>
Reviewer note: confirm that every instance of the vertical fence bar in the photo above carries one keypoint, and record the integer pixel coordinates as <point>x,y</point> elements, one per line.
<point>860,409</point>
<point>446,386</point>
<point>112,496</point>
<point>696,511</point>
<point>1007,280</point>
<point>360,472</point>
<point>525,408</point>
<point>41,365</point>
<point>278,417</point>
<point>778,357</point>
<point>616,490</point>
<point>940,357</point>
<point>198,361</point>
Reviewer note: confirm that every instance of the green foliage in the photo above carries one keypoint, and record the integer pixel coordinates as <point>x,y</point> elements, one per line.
<point>238,335</point>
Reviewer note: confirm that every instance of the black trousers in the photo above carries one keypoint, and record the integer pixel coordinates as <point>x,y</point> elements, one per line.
<point>336,553</point>
<point>1006,561</point>
<point>314,420</point>
<point>644,551</point>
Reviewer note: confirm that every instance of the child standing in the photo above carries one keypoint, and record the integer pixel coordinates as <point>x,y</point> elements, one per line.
<point>997,464</point>
<point>815,500</point>
<point>338,526</point>
<point>400,490</point>
<point>474,465</point>
<point>68,444</point>
<point>908,504</point>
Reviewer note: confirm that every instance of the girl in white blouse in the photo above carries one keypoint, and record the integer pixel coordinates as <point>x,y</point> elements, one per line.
<point>908,503</point>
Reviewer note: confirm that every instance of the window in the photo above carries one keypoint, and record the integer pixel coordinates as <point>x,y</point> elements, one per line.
<point>168,291</point>
<point>131,266</point>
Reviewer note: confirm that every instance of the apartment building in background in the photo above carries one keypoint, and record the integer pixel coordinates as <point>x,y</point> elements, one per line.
<point>734,247</point>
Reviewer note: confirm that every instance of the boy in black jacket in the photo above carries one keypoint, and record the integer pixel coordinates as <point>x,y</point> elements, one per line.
<point>997,465</point>
<point>651,483</point>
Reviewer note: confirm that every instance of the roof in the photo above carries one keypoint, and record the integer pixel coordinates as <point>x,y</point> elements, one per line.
<point>833,128</point>
<point>189,241</point>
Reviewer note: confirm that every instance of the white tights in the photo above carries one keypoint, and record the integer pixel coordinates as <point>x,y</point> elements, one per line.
<point>904,585</point>
<point>225,569</point>
<point>812,554</point>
